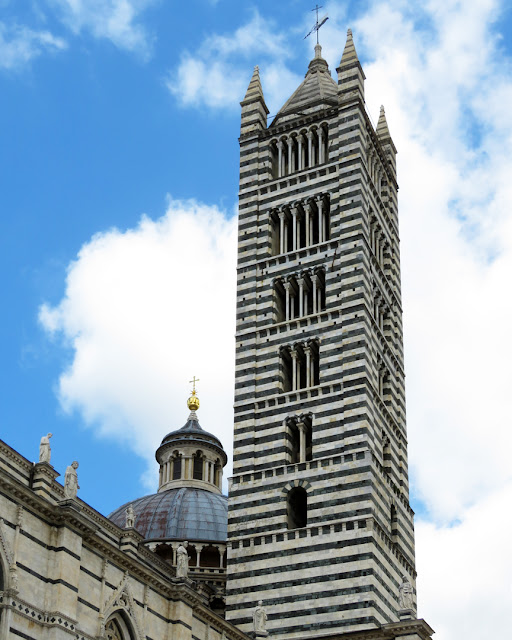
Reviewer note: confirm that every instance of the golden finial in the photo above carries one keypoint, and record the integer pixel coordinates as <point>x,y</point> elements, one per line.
<point>193,401</point>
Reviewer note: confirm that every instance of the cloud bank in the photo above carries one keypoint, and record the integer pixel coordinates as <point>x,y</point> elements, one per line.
<point>144,311</point>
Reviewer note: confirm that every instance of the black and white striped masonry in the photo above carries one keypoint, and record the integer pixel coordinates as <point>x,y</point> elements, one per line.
<point>320,527</point>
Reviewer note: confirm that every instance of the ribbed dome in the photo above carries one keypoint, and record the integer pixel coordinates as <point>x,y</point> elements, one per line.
<point>183,513</point>
<point>192,430</point>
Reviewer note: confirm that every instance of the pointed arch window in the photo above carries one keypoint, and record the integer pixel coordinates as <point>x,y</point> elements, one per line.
<point>118,628</point>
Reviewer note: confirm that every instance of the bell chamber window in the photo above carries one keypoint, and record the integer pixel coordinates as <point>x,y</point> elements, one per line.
<point>299,438</point>
<point>299,295</point>
<point>300,366</point>
<point>299,225</point>
<point>299,150</point>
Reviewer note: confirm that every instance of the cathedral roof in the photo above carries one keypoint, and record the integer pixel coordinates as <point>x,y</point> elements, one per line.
<point>183,514</point>
<point>317,91</point>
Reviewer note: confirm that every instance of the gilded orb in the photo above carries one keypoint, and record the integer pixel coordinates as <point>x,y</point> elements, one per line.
<point>193,402</point>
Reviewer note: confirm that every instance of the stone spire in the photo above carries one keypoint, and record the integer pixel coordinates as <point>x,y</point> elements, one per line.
<point>349,52</point>
<point>385,139</point>
<point>254,109</point>
<point>382,125</point>
<point>350,73</point>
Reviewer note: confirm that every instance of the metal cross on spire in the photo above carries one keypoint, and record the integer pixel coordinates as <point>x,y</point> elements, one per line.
<point>193,383</point>
<point>318,23</point>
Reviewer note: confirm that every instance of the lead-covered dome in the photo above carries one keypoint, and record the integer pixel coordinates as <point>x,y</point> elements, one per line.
<point>182,513</point>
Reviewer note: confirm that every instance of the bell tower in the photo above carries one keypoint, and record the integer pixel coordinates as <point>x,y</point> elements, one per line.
<point>320,528</point>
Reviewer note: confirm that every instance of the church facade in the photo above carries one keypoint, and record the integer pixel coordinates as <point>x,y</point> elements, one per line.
<point>316,538</point>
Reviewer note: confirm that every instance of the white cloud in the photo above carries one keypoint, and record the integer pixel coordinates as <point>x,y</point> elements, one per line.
<point>217,75</point>
<point>446,85</point>
<point>114,20</point>
<point>144,311</point>
<point>464,580</point>
<point>20,44</point>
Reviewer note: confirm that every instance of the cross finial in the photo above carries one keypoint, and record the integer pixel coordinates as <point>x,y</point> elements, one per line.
<point>318,23</point>
<point>193,383</point>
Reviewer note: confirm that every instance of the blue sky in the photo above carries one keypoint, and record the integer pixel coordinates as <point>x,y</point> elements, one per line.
<point>119,166</point>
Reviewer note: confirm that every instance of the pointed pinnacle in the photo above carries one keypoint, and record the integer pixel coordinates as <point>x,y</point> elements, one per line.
<point>382,125</point>
<point>254,90</point>
<point>349,52</point>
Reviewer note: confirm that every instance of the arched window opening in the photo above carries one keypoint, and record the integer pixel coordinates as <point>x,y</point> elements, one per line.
<point>297,508</point>
<point>275,234</point>
<point>299,438</point>
<point>218,606</point>
<point>176,467</point>
<point>279,302</point>
<point>294,441</point>
<point>210,557</point>
<point>309,441</point>
<point>118,628</point>
<point>192,556</point>
<point>324,144</point>
<point>273,160</point>
<point>217,474</point>
<point>198,466</point>
<point>286,370</point>
<point>300,366</point>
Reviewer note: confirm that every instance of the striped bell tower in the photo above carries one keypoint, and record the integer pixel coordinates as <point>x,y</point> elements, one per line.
<point>320,527</point>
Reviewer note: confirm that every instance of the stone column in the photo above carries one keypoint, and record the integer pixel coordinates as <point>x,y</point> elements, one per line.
<point>320,206</point>
<point>199,548</point>
<point>294,227</point>
<point>311,149</point>
<point>280,146</point>
<point>300,282</point>
<point>287,287</point>
<point>290,155</point>
<point>308,237</point>
<point>302,441</point>
<point>321,154</point>
<point>307,351</point>
<point>300,142</point>
<point>314,280</point>
<point>293,354</point>
<point>281,232</point>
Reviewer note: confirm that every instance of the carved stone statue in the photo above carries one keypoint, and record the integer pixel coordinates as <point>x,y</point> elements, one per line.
<point>45,451</point>
<point>182,561</point>
<point>130,517</point>
<point>259,618</point>
<point>71,481</point>
<point>405,594</point>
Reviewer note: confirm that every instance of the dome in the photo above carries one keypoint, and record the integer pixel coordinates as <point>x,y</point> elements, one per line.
<point>183,513</point>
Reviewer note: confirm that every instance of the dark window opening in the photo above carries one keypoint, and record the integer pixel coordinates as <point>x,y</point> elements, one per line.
<point>198,466</point>
<point>297,508</point>
<point>176,468</point>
